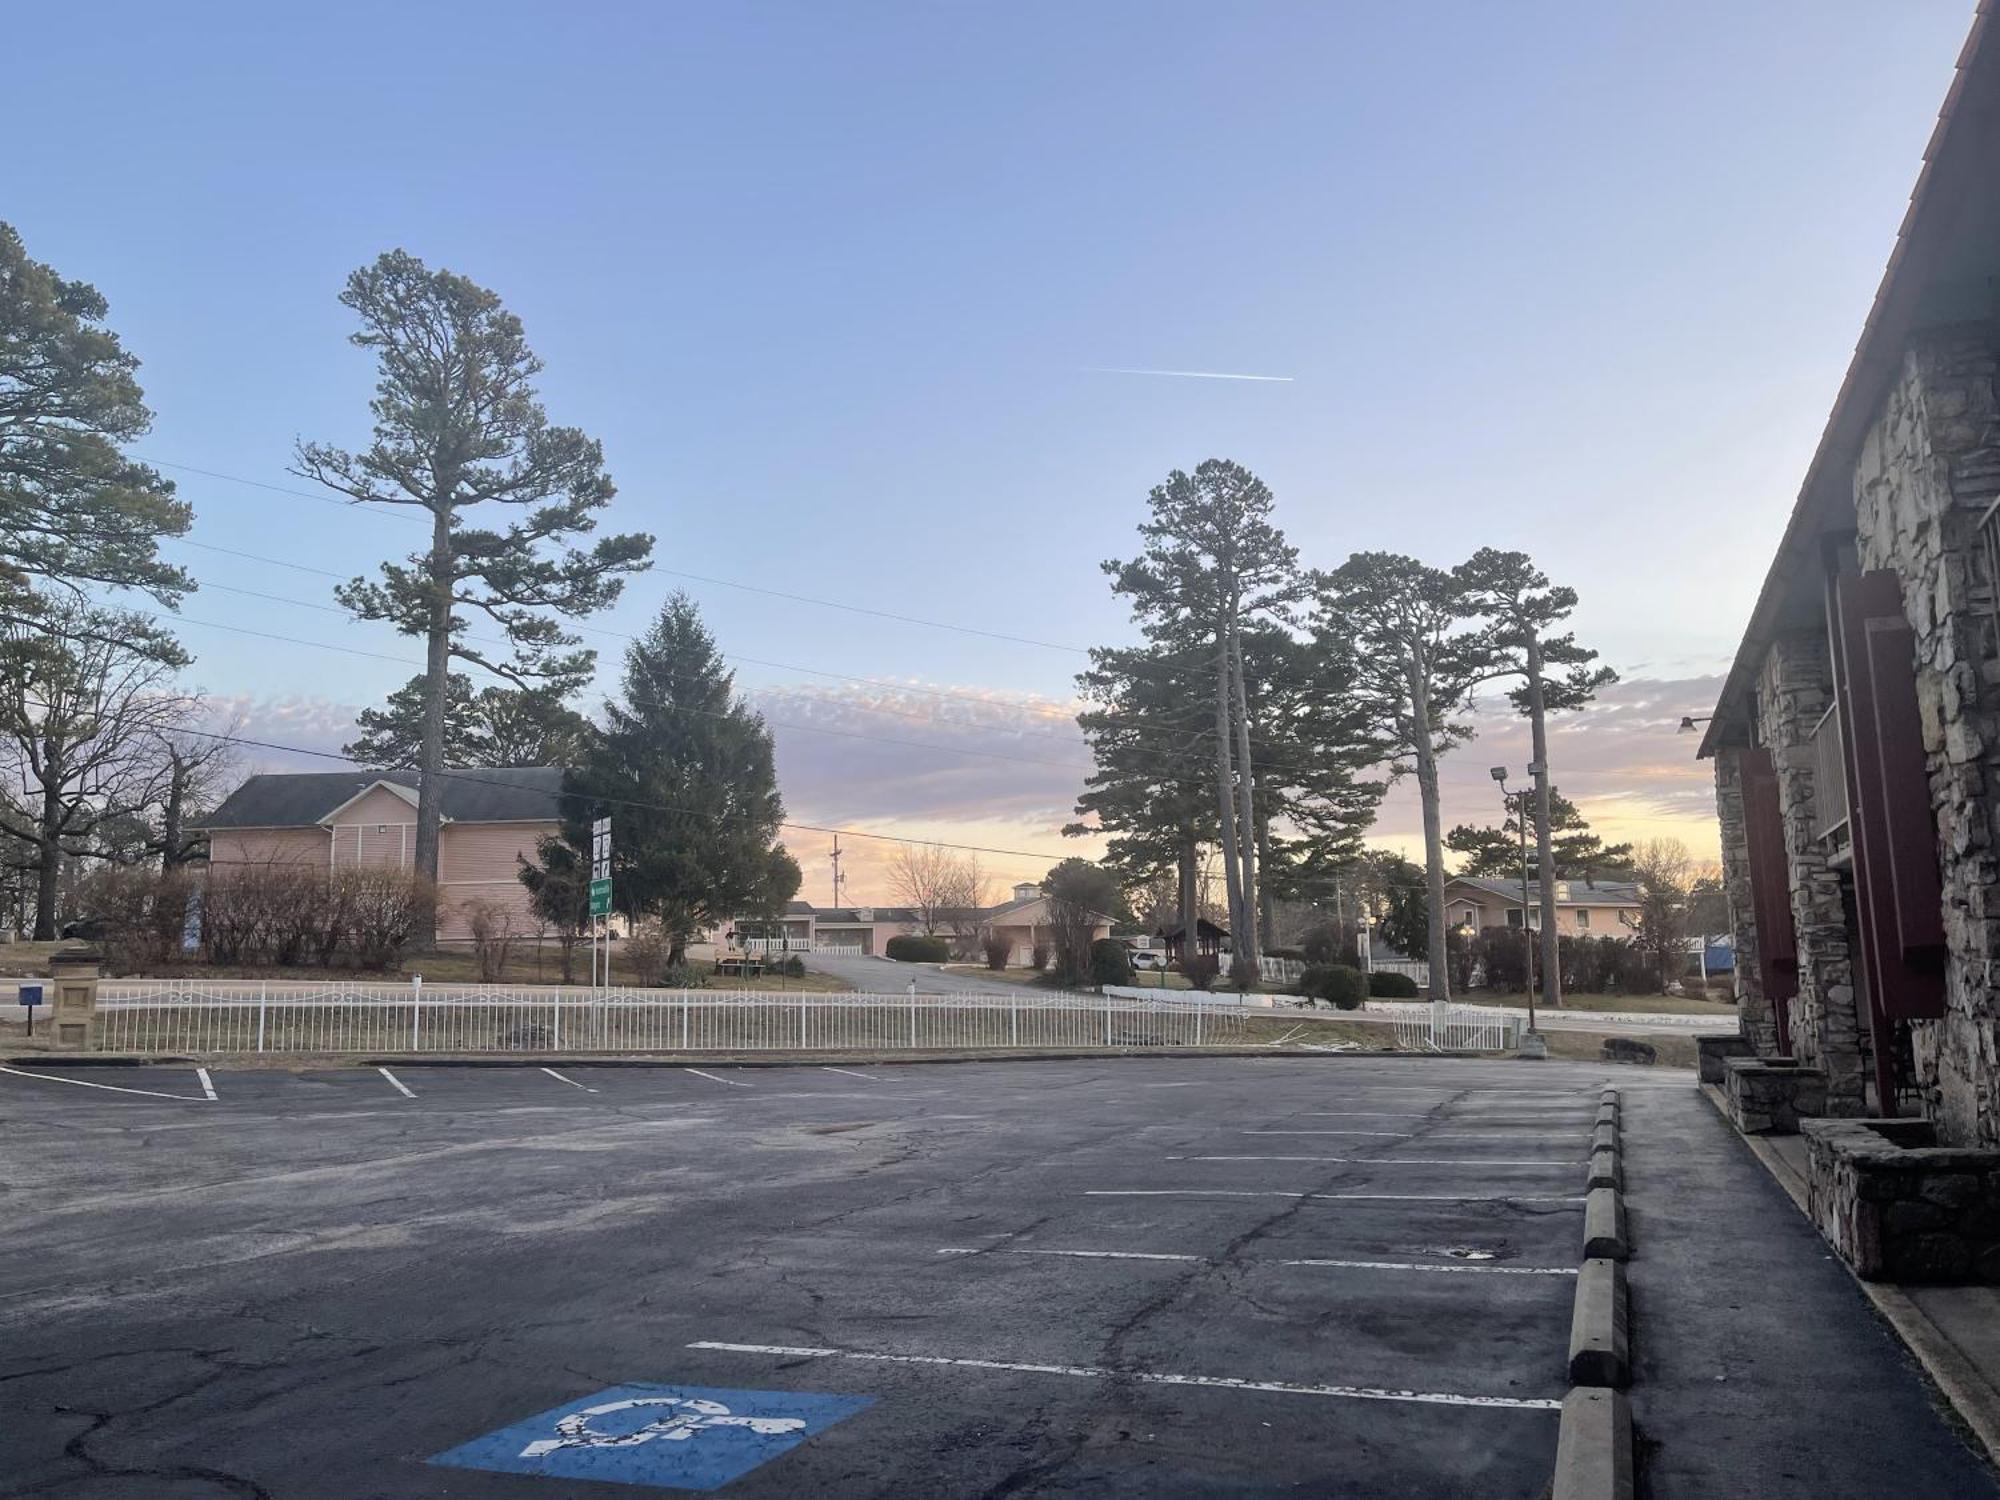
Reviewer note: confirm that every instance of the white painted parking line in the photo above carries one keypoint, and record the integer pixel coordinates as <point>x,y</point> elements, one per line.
<point>725,1082</point>
<point>1077,1254</point>
<point>1505,1137</point>
<point>570,1081</point>
<point>1372,1114</point>
<point>207,1087</point>
<point>1146,1377</point>
<point>396,1083</point>
<point>1387,1135</point>
<point>1397,1161</point>
<point>85,1083</point>
<point>1404,1265</point>
<point>848,1071</point>
<point>1332,1197</point>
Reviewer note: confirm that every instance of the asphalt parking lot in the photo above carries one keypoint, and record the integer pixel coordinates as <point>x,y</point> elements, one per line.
<point>1147,1277</point>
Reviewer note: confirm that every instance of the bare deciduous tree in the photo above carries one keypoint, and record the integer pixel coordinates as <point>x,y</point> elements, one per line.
<point>942,887</point>
<point>87,701</point>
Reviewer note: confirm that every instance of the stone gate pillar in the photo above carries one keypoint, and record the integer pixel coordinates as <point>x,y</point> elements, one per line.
<point>73,1011</point>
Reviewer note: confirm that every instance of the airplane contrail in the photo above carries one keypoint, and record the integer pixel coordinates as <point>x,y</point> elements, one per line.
<point>1185,374</point>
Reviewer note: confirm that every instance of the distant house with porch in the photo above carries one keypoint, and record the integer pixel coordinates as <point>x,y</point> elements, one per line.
<point>1584,908</point>
<point>1023,921</point>
<point>336,819</point>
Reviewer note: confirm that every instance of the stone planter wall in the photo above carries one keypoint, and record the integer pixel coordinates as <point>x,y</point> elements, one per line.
<point>1713,1052</point>
<point>1771,1097</point>
<point>1897,1207</point>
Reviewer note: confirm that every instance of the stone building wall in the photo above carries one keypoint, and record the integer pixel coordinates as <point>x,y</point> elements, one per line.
<point>1827,1028</point>
<point>1927,472</point>
<point>1753,1009</point>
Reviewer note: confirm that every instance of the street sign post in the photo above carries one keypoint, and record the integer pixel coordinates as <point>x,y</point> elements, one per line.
<point>600,899</point>
<point>31,996</point>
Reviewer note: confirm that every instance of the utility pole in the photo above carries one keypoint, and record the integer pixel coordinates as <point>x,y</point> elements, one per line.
<point>835,856</point>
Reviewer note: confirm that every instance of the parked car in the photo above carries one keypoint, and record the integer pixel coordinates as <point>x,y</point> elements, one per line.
<point>1150,959</point>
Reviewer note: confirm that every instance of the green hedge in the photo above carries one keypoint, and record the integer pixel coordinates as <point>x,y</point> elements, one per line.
<point>1109,962</point>
<point>1340,985</point>
<point>910,949</point>
<point>1385,986</point>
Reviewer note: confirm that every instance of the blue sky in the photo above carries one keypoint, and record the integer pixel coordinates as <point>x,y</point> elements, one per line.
<point>834,285</point>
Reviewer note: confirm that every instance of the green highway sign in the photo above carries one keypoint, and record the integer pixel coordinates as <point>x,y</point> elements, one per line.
<point>600,897</point>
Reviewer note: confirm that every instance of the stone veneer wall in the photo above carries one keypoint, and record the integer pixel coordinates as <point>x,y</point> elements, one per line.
<point>1755,1018</point>
<point>1927,471</point>
<point>1827,1029</point>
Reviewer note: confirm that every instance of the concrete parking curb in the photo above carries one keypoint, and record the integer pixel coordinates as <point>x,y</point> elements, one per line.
<point>1594,1447</point>
<point>1606,1171</point>
<point>1599,1330</point>
<point>1604,1225</point>
<point>1604,1138</point>
<point>1607,1114</point>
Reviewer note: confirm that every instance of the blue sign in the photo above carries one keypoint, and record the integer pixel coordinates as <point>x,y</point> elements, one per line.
<point>31,995</point>
<point>683,1437</point>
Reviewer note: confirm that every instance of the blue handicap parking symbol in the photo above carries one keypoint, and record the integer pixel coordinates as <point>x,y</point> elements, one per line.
<point>684,1437</point>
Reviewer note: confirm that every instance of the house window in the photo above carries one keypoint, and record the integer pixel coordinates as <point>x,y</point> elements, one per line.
<point>1582,920</point>
<point>1513,916</point>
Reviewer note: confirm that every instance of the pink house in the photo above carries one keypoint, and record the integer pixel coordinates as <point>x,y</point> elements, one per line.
<point>336,819</point>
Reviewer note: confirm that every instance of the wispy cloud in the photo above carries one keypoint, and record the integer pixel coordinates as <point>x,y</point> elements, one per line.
<point>1186,374</point>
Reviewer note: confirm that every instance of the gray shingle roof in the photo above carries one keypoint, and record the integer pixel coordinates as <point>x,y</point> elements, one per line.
<point>508,794</point>
<point>1581,892</point>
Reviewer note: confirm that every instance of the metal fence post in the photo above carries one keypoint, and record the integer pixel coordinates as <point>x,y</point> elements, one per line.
<point>802,1022</point>
<point>684,1020</point>
<point>1200,1010</point>
<point>558,1035</point>
<point>913,1013</point>
<point>263,999</point>
<point>1014,1020</point>
<point>1107,1019</point>
<point>416,1010</point>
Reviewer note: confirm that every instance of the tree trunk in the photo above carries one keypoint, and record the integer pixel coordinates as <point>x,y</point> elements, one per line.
<point>1247,946</point>
<point>1427,792</point>
<point>437,682</point>
<point>48,853</point>
<point>1190,874</point>
<point>173,854</point>
<point>1544,845</point>
<point>1232,869</point>
<point>1267,907</point>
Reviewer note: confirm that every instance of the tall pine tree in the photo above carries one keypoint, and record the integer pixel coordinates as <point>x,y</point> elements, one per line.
<point>685,770</point>
<point>1213,566</point>
<point>1523,610</point>
<point>1404,626</point>
<point>459,427</point>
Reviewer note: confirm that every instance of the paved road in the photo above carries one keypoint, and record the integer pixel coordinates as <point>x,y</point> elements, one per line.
<point>1148,1277</point>
<point>882,976</point>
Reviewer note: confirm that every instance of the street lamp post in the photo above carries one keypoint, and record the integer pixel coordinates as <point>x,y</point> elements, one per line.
<point>1532,1044</point>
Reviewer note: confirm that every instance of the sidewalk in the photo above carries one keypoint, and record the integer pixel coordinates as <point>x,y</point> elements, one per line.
<point>1760,1365</point>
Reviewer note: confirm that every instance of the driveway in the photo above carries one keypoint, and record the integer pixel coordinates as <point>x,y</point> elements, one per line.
<point>881,976</point>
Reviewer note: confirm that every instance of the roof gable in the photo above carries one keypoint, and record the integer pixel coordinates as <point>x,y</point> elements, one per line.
<point>507,794</point>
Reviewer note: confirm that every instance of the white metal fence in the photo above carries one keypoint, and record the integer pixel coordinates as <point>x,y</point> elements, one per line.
<point>332,1016</point>
<point>1280,970</point>
<point>1454,1028</point>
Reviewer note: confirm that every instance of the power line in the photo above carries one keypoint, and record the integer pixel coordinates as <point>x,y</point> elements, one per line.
<point>476,779</point>
<point>380,508</point>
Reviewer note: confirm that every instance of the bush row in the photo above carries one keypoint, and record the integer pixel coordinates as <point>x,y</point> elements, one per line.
<point>280,915</point>
<point>910,948</point>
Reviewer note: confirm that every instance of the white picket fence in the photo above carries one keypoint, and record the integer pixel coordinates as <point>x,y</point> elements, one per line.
<point>1453,1028</point>
<point>1415,969</point>
<point>188,1016</point>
